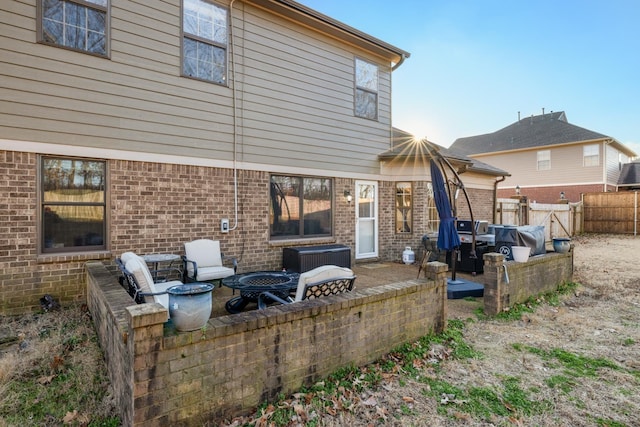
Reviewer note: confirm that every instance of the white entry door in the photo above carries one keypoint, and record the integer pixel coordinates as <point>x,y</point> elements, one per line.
<point>366,219</point>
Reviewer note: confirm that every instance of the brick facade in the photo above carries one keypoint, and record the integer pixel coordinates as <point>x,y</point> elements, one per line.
<point>156,207</point>
<point>573,193</point>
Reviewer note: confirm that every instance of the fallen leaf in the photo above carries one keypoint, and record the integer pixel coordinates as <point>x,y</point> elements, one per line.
<point>70,417</point>
<point>46,380</point>
<point>371,401</point>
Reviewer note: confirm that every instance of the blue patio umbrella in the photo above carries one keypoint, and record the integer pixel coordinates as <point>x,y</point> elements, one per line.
<point>448,238</point>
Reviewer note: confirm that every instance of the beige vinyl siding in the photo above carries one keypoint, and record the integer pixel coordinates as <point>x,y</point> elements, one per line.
<point>297,98</point>
<point>566,167</point>
<point>613,164</point>
<point>130,102</point>
<point>294,89</point>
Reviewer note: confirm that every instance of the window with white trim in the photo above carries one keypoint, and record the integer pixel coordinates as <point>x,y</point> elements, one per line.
<point>591,155</point>
<point>75,24</point>
<point>73,204</point>
<point>544,160</point>
<point>204,42</point>
<point>366,92</point>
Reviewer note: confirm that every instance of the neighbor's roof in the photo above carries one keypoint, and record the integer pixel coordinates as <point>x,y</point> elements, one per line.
<point>406,146</point>
<point>630,175</point>
<point>533,132</point>
<point>313,19</point>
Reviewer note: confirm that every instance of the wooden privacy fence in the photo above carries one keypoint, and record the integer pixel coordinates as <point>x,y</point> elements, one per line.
<point>615,213</point>
<point>559,220</point>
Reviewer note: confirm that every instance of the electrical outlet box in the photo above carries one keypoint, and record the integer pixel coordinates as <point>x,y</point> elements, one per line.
<point>224,225</point>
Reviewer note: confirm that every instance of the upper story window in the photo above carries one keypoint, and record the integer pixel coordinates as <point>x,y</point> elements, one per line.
<point>591,155</point>
<point>544,160</point>
<point>404,207</point>
<point>72,204</point>
<point>366,102</point>
<point>75,24</point>
<point>204,42</point>
<point>300,207</point>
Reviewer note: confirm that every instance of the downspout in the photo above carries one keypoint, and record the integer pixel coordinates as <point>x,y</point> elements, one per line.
<point>235,118</point>
<point>402,58</point>
<point>495,197</point>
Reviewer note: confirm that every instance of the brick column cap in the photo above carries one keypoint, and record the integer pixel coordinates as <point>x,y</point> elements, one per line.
<point>143,315</point>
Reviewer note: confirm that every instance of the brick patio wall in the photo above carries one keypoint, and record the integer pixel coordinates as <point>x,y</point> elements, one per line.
<point>539,275</point>
<point>236,362</point>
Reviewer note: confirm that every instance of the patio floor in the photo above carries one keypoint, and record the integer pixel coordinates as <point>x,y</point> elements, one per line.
<point>374,274</point>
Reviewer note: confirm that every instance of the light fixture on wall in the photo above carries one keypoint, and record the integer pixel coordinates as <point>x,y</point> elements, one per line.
<point>517,190</point>
<point>562,195</point>
<point>348,196</point>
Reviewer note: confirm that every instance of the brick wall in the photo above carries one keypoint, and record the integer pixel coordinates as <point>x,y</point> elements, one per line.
<point>24,275</point>
<point>155,208</point>
<point>539,275</point>
<point>573,193</point>
<point>236,362</point>
<point>481,201</point>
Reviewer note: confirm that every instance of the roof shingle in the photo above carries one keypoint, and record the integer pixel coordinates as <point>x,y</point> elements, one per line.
<point>529,132</point>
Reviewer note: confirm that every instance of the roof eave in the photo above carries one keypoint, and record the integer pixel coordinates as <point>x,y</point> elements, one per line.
<point>315,20</point>
<point>545,147</point>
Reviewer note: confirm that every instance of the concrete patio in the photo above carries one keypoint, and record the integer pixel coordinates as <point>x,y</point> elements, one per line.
<point>370,275</point>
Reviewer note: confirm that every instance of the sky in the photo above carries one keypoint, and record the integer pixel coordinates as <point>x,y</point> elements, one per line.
<point>476,64</point>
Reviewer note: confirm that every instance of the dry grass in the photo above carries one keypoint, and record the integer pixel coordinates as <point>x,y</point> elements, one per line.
<point>52,371</point>
<point>568,362</point>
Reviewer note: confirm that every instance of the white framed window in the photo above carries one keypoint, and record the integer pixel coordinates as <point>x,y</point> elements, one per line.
<point>205,41</point>
<point>80,25</point>
<point>544,160</point>
<point>591,155</point>
<point>366,91</point>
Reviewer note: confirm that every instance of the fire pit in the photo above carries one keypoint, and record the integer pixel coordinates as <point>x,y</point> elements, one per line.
<point>251,285</point>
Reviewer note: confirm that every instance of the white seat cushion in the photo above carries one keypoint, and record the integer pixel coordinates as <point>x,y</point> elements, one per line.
<point>205,253</point>
<point>213,273</point>
<point>126,256</point>
<point>319,274</point>
<point>141,273</point>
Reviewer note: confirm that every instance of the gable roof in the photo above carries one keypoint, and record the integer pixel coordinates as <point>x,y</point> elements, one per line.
<point>532,132</point>
<point>405,146</point>
<point>630,175</point>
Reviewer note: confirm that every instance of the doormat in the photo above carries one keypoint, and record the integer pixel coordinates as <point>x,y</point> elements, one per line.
<point>374,265</point>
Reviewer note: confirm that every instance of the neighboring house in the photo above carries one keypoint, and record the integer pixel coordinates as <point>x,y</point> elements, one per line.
<point>629,177</point>
<point>140,125</point>
<point>549,158</point>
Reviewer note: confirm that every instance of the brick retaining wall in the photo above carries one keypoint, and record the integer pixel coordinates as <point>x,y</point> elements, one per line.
<point>539,275</point>
<point>236,362</point>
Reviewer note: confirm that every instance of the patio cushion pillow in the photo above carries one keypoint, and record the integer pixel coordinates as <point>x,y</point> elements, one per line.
<point>205,253</point>
<point>126,256</point>
<point>318,274</point>
<point>213,273</point>
<point>141,273</point>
